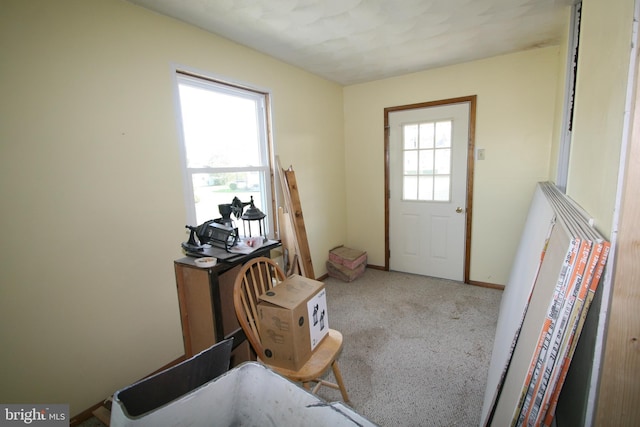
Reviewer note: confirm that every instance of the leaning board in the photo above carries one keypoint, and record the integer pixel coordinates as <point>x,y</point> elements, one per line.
<point>551,267</point>
<point>515,298</point>
<point>528,367</point>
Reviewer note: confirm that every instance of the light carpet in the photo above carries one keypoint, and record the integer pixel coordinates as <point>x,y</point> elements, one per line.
<point>416,349</point>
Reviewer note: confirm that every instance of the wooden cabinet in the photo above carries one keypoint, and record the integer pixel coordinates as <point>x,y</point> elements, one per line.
<point>205,296</point>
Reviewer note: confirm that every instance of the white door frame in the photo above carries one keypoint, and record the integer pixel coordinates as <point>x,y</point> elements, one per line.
<point>470,165</point>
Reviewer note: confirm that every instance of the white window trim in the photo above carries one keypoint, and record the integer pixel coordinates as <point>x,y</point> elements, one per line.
<point>267,150</point>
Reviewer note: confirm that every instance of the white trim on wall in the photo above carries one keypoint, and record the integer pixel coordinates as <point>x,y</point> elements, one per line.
<point>569,98</point>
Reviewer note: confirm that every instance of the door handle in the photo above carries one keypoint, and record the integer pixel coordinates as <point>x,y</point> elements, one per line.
<point>459,209</point>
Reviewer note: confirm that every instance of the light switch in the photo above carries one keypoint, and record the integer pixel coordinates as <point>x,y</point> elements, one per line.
<point>480,155</point>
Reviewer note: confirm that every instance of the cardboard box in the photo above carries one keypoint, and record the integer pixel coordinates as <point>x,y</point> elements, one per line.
<point>292,319</point>
<point>343,273</point>
<point>350,258</point>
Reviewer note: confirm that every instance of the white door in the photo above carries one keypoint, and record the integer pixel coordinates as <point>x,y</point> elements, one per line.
<point>427,183</point>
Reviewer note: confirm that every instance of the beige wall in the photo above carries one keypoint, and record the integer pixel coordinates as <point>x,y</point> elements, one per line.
<point>515,119</point>
<point>601,90</point>
<point>601,93</point>
<point>91,187</point>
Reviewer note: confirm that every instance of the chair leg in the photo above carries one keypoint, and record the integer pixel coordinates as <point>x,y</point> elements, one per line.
<point>307,385</point>
<point>338,375</point>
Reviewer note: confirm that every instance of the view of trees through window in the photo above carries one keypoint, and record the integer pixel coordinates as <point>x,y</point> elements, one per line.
<point>225,146</point>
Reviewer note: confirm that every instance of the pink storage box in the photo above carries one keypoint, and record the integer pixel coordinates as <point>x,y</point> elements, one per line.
<point>350,258</point>
<point>343,273</point>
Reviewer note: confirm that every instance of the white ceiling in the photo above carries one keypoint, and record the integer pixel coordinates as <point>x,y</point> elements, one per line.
<point>355,41</point>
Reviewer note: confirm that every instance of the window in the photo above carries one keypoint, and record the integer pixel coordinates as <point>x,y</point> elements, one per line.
<point>226,149</point>
<point>426,156</point>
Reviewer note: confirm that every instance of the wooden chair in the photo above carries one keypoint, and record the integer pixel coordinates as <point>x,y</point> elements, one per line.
<point>255,278</point>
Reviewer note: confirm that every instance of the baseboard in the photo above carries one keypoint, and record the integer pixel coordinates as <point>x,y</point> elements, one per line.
<point>85,415</point>
<point>103,414</point>
<point>486,285</point>
<point>88,413</point>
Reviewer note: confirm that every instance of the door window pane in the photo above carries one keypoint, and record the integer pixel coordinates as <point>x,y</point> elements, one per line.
<point>443,134</point>
<point>427,135</point>
<point>442,161</point>
<point>410,162</point>
<point>410,137</point>
<point>410,188</point>
<point>427,161</point>
<point>441,188</point>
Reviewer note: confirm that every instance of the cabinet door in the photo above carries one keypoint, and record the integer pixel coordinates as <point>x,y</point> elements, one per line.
<point>196,310</point>
<point>198,289</point>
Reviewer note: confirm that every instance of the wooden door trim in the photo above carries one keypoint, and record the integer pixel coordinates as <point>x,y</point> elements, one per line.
<point>471,100</point>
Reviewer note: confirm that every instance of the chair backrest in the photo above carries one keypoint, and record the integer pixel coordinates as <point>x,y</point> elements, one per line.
<point>255,278</point>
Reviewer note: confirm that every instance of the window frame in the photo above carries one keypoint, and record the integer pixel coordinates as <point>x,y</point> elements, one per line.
<point>266,143</point>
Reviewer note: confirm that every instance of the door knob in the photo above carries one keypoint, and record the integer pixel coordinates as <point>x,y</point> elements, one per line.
<point>458,209</point>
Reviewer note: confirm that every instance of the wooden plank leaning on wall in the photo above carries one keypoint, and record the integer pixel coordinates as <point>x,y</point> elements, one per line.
<point>619,390</point>
<point>293,233</point>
